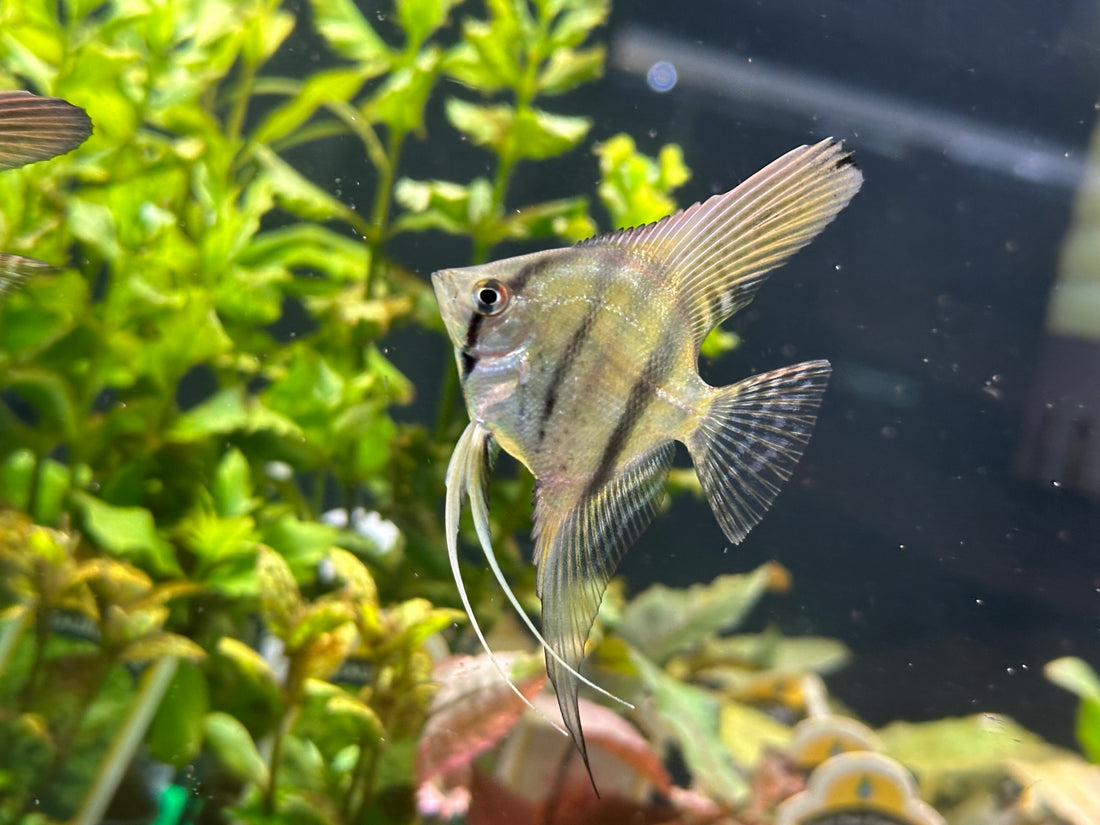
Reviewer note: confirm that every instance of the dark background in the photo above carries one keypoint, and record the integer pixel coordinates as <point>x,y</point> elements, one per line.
<point>914,530</point>
<point>908,533</point>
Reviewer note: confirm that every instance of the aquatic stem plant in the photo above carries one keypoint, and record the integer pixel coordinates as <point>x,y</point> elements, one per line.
<point>205,374</point>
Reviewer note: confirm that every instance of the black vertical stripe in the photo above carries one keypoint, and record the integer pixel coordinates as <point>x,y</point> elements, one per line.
<point>568,357</point>
<point>638,400</point>
<point>469,360</point>
<point>521,278</point>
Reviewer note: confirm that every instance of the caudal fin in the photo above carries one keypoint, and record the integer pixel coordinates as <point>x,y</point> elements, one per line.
<point>751,438</point>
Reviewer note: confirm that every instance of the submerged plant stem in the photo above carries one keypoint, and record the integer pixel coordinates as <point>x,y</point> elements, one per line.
<point>41,636</point>
<point>365,771</point>
<point>67,738</point>
<point>286,724</point>
<point>380,214</point>
<point>122,750</point>
<point>10,636</point>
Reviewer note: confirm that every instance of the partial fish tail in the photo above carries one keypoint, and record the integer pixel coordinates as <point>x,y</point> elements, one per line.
<point>15,270</point>
<point>751,437</point>
<point>34,128</point>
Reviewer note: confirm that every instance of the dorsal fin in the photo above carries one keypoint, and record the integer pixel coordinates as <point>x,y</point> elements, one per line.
<point>717,253</point>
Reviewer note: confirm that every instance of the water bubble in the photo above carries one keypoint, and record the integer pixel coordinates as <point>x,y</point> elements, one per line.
<point>661,76</point>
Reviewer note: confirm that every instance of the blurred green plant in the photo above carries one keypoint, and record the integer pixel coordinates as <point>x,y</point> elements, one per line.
<point>167,449</point>
<point>1082,681</point>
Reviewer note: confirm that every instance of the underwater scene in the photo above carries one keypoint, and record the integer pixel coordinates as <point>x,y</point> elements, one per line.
<point>549,411</point>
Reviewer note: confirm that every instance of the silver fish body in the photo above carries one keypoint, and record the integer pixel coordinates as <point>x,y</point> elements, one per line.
<point>582,363</point>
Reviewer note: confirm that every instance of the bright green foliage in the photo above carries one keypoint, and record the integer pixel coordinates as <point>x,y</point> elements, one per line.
<point>1078,678</point>
<point>521,52</point>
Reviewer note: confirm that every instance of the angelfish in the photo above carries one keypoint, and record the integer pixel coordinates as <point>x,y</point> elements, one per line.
<point>582,363</point>
<point>34,128</point>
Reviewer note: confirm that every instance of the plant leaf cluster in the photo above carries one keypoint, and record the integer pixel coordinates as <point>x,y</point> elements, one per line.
<point>197,407</point>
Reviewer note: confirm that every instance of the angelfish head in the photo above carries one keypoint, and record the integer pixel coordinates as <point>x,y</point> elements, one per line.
<point>483,309</point>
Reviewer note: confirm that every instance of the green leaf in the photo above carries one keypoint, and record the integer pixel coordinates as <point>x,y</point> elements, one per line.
<point>233,746</point>
<point>227,411</point>
<point>690,715</point>
<point>364,716</point>
<point>280,601</point>
<point>566,219</point>
<point>419,18</point>
<point>94,224</point>
<point>718,342</point>
<point>567,69</point>
<point>634,188</point>
<point>482,61</point>
<point>663,621</point>
<point>373,444</point>
<point>484,125</point>
<point>49,394</point>
<point>129,532</point>
<point>1087,729</point>
<point>577,20</point>
<point>358,581</point>
<point>250,663</point>
<point>1074,675</point>
<point>302,544</point>
<point>175,734</point>
<point>980,744</point>
<point>297,194</point>
<point>308,246</point>
<point>748,733</point>
<point>1078,678</point>
<point>319,618</point>
<point>309,392</point>
<point>400,100</point>
<point>232,487</point>
<point>386,380</point>
<point>529,133</point>
<point>348,33</point>
<point>214,540</point>
<point>418,619</point>
<point>161,645</point>
<point>266,31</point>
<point>318,89</point>
<point>770,651</point>
<point>433,204</point>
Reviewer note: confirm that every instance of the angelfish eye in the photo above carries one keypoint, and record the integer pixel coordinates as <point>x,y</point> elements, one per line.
<point>490,297</point>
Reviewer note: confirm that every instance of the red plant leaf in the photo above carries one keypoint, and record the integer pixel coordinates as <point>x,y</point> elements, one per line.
<point>473,710</point>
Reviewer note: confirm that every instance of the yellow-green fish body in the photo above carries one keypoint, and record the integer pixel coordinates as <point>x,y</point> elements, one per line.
<point>582,363</point>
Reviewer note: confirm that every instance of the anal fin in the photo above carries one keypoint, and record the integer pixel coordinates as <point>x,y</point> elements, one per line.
<point>579,543</point>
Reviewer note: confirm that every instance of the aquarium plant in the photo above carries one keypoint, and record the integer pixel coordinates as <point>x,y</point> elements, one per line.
<point>223,581</point>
